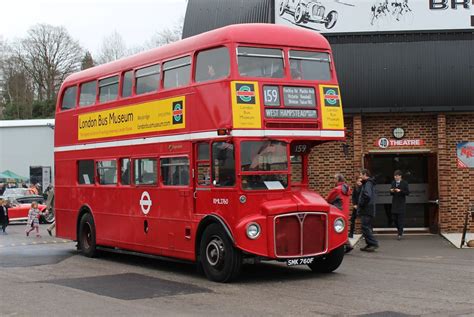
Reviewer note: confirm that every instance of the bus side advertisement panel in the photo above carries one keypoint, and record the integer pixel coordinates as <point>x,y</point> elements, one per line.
<point>153,116</point>
<point>246,112</point>
<point>331,107</point>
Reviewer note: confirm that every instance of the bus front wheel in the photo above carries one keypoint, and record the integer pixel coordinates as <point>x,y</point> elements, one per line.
<point>329,262</point>
<point>86,237</point>
<point>220,260</point>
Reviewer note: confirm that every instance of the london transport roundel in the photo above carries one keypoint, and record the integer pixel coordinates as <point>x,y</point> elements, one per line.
<point>145,202</point>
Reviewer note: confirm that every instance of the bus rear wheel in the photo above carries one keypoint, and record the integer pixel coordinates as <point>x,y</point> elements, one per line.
<point>220,260</point>
<point>86,237</point>
<point>328,263</point>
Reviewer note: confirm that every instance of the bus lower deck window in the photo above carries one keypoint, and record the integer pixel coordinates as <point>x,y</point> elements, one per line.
<point>175,171</point>
<point>85,172</point>
<point>107,172</point>
<point>145,171</point>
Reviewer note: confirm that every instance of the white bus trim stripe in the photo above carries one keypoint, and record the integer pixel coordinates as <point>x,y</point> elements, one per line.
<point>201,135</point>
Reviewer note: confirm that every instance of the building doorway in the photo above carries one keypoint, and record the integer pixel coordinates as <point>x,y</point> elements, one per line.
<point>420,171</point>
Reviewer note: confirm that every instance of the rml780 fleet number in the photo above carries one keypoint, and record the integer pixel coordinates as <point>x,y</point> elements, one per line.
<point>303,261</point>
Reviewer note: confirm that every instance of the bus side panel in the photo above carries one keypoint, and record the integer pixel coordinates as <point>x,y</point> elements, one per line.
<point>65,210</point>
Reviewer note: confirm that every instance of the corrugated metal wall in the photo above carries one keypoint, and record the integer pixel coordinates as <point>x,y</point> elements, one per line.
<point>406,72</point>
<point>377,72</point>
<point>206,15</point>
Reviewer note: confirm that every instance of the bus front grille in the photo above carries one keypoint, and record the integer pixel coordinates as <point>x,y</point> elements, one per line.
<point>300,234</point>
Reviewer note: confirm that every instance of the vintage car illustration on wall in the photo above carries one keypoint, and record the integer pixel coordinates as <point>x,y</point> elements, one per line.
<point>304,11</point>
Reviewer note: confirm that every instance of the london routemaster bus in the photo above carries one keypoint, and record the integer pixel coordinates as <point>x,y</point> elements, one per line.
<point>198,151</point>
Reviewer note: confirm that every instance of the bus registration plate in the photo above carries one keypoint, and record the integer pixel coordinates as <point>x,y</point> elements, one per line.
<point>300,261</point>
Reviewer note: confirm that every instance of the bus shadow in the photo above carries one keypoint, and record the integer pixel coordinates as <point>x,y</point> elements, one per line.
<point>270,272</point>
<point>267,272</point>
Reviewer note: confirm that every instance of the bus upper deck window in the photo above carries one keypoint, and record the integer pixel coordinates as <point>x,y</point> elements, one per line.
<point>260,62</point>
<point>308,65</point>
<point>177,72</point>
<point>212,64</point>
<point>88,93</point>
<point>108,89</point>
<point>127,84</point>
<point>69,98</point>
<point>147,79</point>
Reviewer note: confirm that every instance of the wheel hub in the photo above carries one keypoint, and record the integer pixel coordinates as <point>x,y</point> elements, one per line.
<point>215,252</point>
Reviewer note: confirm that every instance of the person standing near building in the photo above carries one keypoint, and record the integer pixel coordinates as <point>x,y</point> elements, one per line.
<point>3,215</point>
<point>399,191</point>
<point>340,197</point>
<point>366,210</point>
<point>355,201</point>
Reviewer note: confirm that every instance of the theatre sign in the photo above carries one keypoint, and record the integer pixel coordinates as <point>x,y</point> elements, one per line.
<point>354,16</point>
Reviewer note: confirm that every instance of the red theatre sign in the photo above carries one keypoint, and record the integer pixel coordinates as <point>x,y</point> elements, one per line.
<point>385,143</point>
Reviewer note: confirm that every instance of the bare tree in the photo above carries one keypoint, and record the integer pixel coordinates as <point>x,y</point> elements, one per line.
<point>167,35</point>
<point>48,54</point>
<point>113,47</point>
<point>17,90</point>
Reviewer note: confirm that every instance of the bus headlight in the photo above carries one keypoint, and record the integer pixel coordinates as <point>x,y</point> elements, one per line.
<point>339,225</point>
<point>253,230</point>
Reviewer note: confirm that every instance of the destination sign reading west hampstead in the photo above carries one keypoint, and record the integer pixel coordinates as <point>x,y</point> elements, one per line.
<point>290,114</point>
<point>158,115</point>
<point>299,97</point>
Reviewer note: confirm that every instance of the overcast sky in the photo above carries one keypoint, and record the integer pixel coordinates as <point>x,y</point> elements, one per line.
<point>89,21</point>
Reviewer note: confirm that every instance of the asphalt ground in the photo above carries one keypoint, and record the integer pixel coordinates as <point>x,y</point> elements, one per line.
<point>422,275</point>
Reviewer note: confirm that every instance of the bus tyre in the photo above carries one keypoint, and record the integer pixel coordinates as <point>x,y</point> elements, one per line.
<point>220,261</point>
<point>87,236</point>
<point>328,263</point>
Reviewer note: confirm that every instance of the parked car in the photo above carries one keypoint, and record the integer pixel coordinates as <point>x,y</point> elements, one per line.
<point>304,11</point>
<point>19,211</point>
<point>21,195</point>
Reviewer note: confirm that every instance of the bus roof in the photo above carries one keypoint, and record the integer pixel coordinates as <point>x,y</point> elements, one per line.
<point>257,33</point>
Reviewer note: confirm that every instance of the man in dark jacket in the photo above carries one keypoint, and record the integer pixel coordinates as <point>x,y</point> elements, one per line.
<point>3,215</point>
<point>355,201</point>
<point>399,190</point>
<point>366,210</point>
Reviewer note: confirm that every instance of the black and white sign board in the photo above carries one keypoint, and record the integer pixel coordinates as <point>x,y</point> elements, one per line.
<point>354,16</point>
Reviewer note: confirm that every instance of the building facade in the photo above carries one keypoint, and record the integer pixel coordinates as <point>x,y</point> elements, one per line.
<point>25,144</point>
<point>407,83</point>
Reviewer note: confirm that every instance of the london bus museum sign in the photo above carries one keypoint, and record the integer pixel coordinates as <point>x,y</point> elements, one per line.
<point>353,16</point>
<point>157,115</point>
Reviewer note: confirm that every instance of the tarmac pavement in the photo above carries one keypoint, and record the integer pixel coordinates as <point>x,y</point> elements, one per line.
<point>421,275</point>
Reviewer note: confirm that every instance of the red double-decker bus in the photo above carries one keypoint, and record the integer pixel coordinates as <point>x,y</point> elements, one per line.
<point>198,150</point>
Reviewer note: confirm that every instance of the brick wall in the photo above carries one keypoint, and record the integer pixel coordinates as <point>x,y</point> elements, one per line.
<point>440,134</point>
<point>460,183</point>
<point>328,159</point>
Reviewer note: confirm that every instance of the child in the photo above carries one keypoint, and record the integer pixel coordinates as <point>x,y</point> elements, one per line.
<point>33,219</point>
